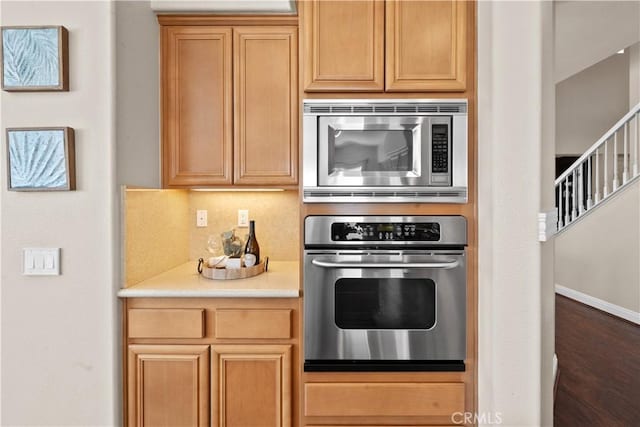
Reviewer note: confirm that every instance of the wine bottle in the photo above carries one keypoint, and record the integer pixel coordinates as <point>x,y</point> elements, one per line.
<point>252,248</point>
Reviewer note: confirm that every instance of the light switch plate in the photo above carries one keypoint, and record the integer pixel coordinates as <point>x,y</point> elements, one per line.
<point>41,261</point>
<point>547,225</point>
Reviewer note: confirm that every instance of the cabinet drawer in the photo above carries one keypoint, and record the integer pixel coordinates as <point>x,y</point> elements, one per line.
<point>246,323</point>
<point>383,399</point>
<point>165,323</point>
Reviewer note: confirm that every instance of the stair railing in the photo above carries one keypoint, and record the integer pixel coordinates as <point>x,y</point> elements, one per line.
<point>603,170</point>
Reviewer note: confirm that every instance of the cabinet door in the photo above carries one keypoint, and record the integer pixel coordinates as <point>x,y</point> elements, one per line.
<point>426,45</point>
<point>196,106</point>
<point>265,105</point>
<point>251,385</point>
<point>168,385</point>
<point>343,45</point>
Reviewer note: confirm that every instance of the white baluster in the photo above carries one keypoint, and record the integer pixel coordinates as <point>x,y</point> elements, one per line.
<point>589,177</point>
<point>580,189</point>
<point>635,151</point>
<point>625,169</point>
<point>559,188</point>
<point>616,183</point>
<point>574,197</point>
<point>596,196</point>
<point>567,219</point>
<point>605,176</point>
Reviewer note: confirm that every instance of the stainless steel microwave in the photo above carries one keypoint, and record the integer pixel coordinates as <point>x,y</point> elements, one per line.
<point>385,151</point>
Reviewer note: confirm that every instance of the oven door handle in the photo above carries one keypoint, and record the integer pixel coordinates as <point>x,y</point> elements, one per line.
<point>327,264</point>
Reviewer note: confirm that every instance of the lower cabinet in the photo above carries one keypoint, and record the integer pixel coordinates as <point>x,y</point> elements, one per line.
<point>211,362</point>
<point>168,385</point>
<point>251,385</point>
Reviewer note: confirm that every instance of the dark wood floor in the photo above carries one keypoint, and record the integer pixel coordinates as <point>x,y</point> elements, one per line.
<point>599,360</point>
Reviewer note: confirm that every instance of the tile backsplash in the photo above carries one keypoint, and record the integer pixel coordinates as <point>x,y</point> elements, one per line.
<point>156,232</point>
<point>276,215</point>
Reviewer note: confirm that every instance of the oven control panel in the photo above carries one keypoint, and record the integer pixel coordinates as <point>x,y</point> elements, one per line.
<point>387,231</point>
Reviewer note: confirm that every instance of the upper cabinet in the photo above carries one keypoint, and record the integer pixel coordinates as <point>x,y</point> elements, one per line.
<point>426,45</point>
<point>265,120</point>
<point>229,105</point>
<point>418,46</point>
<point>196,106</point>
<point>343,45</point>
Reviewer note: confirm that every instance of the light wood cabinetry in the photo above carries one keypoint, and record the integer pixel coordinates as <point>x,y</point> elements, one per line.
<point>426,45</point>
<point>265,63</point>
<point>252,385</point>
<point>383,399</point>
<point>168,385</point>
<point>344,45</point>
<point>196,105</point>
<point>228,362</point>
<point>418,46</point>
<point>229,103</point>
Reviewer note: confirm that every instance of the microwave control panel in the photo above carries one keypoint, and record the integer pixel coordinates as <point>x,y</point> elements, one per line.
<point>440,148</point>
<point>388,231</point>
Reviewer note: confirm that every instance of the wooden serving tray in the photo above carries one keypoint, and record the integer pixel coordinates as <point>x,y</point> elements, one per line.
<point>232,273</point>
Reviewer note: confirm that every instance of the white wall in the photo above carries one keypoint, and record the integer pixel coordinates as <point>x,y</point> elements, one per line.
<point>634,74</point>
<point>137,95</point>
<point>590,102</point>
<point>58,333</point>
<point>515,162</point>
<point>598,255</point>
<point>225,6</point>
<point>590,31</point>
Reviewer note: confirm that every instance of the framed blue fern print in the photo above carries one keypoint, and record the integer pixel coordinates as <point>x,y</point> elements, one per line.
<point>41,159</point>
<point>35,58</point>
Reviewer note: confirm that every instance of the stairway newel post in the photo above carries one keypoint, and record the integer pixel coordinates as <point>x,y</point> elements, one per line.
<point>605,176</point>
<point>635,147</point>
<point>625,168</point>
<point>616,182</point>
<point>589,177</point>
<point>597,194</point>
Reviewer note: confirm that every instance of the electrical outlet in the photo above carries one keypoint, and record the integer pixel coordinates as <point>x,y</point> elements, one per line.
<point>243,217</point>
<point>201,218</point>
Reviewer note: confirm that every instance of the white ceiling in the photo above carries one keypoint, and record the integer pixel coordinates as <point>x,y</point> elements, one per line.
<point>224,6</point>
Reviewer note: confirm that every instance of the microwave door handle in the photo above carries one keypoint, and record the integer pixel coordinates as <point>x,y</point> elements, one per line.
<point>326,264</point>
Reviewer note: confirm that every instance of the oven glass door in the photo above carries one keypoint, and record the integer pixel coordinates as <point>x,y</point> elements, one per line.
<point>385,306</point>
<point>385,303</point>
<point>376,151</point>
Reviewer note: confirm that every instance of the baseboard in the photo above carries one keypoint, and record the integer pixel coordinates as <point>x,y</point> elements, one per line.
<point>616,310</point>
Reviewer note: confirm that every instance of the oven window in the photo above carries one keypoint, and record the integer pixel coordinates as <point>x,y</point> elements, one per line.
<point>391,303</point>
<point>355,151</point>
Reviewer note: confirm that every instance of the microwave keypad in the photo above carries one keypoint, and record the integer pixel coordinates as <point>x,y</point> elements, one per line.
<point>439,149</point>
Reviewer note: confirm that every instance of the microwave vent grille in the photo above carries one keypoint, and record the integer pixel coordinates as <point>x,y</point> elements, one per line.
<point>342,109</point>
<point>386,195</point>
<point>385,109</point>
<point>450,109</point>
<point>317,109</point>
<point>406,108</point>
<point>427,108</point>
<point>414,108</point>
<point>363,109</point>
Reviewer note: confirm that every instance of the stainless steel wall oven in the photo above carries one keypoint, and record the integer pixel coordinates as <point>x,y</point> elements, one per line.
<point>385,151</point>
<point>384,293</point>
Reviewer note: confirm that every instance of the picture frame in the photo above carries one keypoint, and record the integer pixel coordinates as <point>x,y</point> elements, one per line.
<point>34,58</point>
<point>41,159</point>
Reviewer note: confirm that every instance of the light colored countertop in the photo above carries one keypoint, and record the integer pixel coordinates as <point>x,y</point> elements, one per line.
<point>281,281</point>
